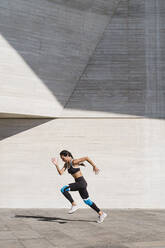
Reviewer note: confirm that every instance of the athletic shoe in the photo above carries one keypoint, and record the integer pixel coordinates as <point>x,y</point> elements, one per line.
<point>73,209</point>
<point>101,218</point>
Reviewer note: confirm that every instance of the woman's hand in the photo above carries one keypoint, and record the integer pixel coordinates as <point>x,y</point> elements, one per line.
<point>96,170</point>
<point>55,161</point>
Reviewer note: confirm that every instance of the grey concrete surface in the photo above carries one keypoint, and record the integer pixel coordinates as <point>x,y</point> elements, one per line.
<point>125,75</point>
<point>49,228</point>
<point>49,44</point>
<point>76,58</point>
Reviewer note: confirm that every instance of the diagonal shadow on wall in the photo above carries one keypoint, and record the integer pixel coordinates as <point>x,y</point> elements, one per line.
<point>55,42</point>
<point>10,127</point>
<point>87,64</point>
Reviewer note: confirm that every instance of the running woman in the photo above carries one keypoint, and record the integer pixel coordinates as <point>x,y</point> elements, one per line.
<point>80,185</point>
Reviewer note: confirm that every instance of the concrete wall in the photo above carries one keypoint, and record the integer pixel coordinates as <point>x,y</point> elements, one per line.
<point>129,154</point>
<point>45,46</point>
<point>102,73</point>
<point>125,74</point>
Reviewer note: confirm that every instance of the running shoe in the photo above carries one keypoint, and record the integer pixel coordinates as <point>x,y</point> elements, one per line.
<point>73,209</point>
<point>101,218</point>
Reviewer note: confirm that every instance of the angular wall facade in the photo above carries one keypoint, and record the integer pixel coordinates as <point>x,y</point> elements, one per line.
<point>87,77</point>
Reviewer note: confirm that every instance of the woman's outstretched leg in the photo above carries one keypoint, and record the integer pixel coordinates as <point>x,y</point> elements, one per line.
<point>85,196</point>
<point>92,205</point>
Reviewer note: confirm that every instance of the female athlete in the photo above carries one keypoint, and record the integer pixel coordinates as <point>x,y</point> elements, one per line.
<point>80,185</point>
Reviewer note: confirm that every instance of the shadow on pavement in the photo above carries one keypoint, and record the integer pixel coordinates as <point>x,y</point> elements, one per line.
<point>54,219</point>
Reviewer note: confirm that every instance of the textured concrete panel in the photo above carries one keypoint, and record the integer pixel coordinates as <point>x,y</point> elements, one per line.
<point>125,75</point>
<point>45,46</point>
<point>74,55</point>
<point>129,153</point>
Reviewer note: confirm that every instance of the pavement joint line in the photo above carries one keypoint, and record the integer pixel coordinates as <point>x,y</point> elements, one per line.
<point>50,241</point>
<point>21,240</point>
<point>21,243</point>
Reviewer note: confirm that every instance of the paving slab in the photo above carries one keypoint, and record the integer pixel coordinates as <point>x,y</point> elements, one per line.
<point>155,244</point>
<point>10,243</point>
<point>49,228</point>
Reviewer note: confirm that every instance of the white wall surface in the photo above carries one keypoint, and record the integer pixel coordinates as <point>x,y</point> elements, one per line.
<point>129,153</point>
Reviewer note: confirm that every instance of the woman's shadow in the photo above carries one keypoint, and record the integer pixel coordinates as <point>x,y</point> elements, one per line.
<point>53,219</point>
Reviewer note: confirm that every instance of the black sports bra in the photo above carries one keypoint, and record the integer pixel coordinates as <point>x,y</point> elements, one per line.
<point>72,170</point>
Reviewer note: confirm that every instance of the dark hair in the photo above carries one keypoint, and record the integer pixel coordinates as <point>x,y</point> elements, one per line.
<point>66,153</point>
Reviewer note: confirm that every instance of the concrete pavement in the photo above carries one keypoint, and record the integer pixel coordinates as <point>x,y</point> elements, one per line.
<point>49,228</point>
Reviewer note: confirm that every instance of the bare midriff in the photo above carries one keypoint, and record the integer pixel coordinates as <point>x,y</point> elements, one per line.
<point>77,174</point>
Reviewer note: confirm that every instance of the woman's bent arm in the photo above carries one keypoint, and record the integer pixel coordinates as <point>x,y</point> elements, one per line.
<point>79,160</point>
<point>60,171</point>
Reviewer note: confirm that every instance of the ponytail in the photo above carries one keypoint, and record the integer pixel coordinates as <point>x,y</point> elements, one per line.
<point>66,153</point>
<point>82,164</point>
